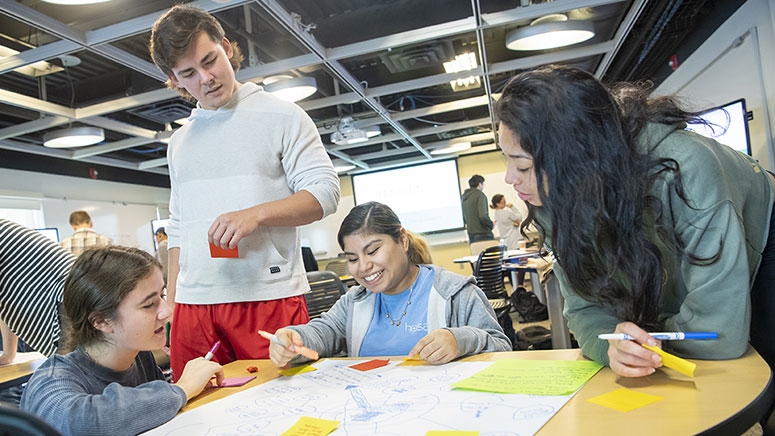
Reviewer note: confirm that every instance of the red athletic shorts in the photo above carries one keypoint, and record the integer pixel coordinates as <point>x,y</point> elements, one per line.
<point>196,327</point>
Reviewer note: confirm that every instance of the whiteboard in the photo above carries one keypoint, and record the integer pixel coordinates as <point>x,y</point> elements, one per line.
<point>320,236</point>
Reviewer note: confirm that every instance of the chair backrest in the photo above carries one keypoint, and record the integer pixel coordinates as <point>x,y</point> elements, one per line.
<point>489,271</point>
<point>339,266</point>
<point>325,289</point>
<point>18,422</point>
<point>310,264</point>
<point>478,246</point>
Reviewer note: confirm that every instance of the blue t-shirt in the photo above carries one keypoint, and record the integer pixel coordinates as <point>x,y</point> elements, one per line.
<point>396,334</point>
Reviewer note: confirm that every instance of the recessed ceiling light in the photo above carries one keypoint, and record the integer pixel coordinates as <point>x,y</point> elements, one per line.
<point>463,62</point>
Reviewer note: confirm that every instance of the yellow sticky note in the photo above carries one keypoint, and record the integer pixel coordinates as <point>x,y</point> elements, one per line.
<point>624,400</point>
<point>307,426</point>
<point>451,433</point>
<point>533,377</point>
<point>297,370</point>
<point>683,366</point>
<point>413,361</point>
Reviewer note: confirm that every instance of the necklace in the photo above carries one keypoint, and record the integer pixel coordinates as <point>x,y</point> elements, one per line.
<point>397,322</point>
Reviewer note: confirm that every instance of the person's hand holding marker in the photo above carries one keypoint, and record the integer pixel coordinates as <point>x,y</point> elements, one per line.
<point>285,345</point>
<point>628,358</point>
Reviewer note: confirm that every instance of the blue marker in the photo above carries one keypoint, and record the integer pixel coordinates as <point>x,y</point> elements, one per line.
<point>662,336</point>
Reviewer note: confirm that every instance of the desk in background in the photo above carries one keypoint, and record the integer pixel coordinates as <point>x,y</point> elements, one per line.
<point>20,370</point>
<point>725,397</point>
<point>508,256</point>
<point>548,294</point>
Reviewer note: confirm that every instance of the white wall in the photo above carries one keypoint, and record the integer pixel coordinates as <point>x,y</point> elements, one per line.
<point>738,60</point>
<point>121,211</point>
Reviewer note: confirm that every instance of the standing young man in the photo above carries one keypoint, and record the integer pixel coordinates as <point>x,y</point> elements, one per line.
<point>245,171</point>
<point>475,214</point>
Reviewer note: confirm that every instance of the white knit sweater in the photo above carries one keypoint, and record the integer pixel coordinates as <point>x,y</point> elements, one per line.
<point>255,149</point>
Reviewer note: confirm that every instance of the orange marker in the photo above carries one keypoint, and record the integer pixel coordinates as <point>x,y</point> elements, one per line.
<point>304,351</point>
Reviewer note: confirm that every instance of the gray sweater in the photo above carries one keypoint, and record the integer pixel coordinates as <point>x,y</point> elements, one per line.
<point>455,303</point>
<point>730,200</point>
<point>79,397</point>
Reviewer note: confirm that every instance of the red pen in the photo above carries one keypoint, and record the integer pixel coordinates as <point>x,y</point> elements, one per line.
<point>212,351</point>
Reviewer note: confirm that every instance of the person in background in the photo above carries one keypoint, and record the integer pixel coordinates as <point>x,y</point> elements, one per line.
<point>161,251</point>
<point>477,219</point>
<point>654,228</point>
<point>507,218</point>
<point>110,383</point>
<point>403,305</point>
<point>84,237</point>
<point>245,171</point>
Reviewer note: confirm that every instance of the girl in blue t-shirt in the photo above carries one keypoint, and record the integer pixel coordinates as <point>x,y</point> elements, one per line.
<point>402,306</point>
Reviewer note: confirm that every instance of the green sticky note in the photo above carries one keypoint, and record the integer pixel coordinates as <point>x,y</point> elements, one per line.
<point>297,370</point>
<point>533,377</point>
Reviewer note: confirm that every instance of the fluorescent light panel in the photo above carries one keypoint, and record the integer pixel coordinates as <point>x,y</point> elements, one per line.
<point>463,62</point>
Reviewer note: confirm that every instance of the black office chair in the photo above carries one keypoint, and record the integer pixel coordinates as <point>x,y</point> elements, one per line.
<point>18,422</point>
<point>488,271</point>
<point>339,266</point>
<point>325,290</point>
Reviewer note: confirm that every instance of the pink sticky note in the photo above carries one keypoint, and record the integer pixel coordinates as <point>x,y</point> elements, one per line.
<point>236,381</point>
<point>216,251</point>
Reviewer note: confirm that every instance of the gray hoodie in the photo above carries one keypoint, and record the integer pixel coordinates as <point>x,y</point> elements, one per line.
<point>455,303</point>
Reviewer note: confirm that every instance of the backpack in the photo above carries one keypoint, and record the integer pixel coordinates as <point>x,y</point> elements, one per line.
<point>534,337</point>
<point>528,306</point>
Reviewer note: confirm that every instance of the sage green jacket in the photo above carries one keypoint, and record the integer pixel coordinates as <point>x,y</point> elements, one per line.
<point>730,202</point>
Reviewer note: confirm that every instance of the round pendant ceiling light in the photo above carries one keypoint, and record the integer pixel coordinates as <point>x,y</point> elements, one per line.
<point>73,137</point>
<point>290,88</point>
<point>551,31</point>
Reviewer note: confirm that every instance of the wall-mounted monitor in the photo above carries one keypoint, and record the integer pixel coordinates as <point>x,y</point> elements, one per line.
<point>728,124</point>
<point>155,224</point>
<point>426,197</point>
<point>51,233</point>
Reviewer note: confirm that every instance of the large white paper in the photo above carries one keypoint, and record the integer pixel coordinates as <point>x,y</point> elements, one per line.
<point>392,400</point>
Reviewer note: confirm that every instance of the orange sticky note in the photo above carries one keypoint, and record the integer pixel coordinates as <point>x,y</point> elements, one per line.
<point>674,362</point>
<point>624,400</point>
<point>216,251</point>
<point>307,426</point>
<point>370,364</point>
